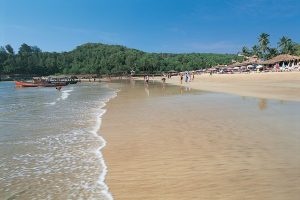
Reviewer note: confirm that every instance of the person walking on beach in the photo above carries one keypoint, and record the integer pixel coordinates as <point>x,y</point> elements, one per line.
<point>181,78</point>
<point>147,79</point>
<point>277,67</point>
<point>186,77</point>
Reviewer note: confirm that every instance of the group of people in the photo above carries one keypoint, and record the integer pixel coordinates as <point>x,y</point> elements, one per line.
<point>187,76</point>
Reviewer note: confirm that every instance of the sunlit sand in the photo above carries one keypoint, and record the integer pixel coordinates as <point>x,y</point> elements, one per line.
<point>176,143</point>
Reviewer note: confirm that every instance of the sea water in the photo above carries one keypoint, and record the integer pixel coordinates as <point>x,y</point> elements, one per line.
<point>49,142</point>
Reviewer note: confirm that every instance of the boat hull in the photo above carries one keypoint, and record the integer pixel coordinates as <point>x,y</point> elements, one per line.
<point>25,84</point>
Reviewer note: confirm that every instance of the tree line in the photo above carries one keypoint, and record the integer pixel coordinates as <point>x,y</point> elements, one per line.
<point>97,58</point>
<point>263,50</point>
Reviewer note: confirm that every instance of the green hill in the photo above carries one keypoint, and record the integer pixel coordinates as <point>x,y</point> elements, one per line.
<point>97,58</point>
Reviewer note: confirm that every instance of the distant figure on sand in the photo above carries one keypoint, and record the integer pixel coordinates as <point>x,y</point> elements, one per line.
<point>277,67</point>
<point>146,79</point>
<point>181,78</point>
<point>186,77</point>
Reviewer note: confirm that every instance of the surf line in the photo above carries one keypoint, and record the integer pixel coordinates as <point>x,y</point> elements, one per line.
<point>98,152</point>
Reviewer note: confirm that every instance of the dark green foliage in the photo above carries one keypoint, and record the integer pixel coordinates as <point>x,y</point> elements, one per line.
<point>97,58</point>
<point>263,43</point>
<point>287,46</point>
<point>272,53</point>
<point>262,50</point>
<point>297,49</point>
<point>9,49</point>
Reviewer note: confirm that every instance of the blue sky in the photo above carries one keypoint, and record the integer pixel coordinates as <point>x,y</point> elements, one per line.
<point>219,26</point>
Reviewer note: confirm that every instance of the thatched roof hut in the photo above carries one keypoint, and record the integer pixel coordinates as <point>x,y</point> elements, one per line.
<point>244,63</point>
<point>280,58</point>
<point>253,60</point>
<point>236,64</point>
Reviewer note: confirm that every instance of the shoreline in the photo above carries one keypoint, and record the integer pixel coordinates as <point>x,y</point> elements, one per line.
<point>271,85</point>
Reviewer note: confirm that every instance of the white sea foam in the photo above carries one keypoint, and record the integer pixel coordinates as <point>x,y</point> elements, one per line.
<point>51,103</point>
<point>101,179</point>
<point>72,146</point>
<point>65,94</point>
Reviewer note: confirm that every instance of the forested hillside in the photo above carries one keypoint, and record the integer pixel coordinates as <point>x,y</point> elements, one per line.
<point>96,58</point>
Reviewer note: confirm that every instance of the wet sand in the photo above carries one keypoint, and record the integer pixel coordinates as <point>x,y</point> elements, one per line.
<point>173,143</point>
<point>271,85</point>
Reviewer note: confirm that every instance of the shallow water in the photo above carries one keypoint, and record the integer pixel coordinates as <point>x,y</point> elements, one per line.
<point>176,143</point>
<point>49,144</point>
<point>164,142</point>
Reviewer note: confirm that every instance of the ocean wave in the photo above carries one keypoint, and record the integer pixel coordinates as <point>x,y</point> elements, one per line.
<point>51,103</point>
<point>74,150</point>
<point>94,131</point>
<point>65,94</point>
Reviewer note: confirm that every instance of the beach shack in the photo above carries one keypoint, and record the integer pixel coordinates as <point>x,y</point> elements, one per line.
<point>248,65</point>
<point>283,62</point>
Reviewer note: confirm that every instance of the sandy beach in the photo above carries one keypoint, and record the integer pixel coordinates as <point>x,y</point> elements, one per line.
<point>175,143</point>
<point>272,85</point>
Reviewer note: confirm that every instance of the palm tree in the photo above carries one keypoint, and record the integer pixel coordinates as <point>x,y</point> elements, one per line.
<point>297,49</point>
<point>286,45</point>
<point>256,50</point>
<point>264,42</point>
<point>246,51</point>
<point>272,53</point>
<point>282,44</point>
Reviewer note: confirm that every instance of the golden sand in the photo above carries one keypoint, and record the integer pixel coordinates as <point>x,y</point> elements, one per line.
<point>161,146</point>
<point>272,85</point>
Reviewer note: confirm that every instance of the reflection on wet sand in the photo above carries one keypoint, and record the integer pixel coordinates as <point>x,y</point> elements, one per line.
<point>147,90</point>
<point>200,146</point>
<point>262,104</point>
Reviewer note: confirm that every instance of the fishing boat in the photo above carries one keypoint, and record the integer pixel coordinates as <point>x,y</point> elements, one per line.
<point>26,84</point>
<point>53,84</point>
<point>72,81</point>
<point>40,83</point>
